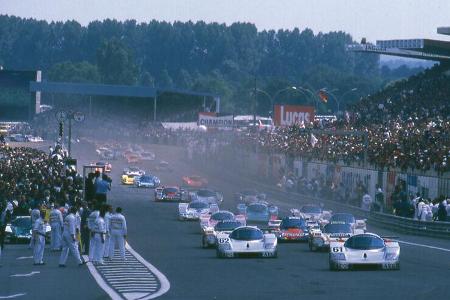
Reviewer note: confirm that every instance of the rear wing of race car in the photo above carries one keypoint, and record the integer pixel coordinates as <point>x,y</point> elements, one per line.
<point>295,212</point>
<point>204,220</point>
<point>274,224</point>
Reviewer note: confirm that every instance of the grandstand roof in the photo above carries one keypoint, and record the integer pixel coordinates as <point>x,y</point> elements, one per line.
<point>427,49</point>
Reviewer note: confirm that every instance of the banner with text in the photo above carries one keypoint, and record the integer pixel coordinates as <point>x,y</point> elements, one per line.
<point>209,120</point>
<point>286,115</point>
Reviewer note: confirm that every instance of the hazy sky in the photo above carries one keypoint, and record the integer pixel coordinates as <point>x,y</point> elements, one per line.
<point>374,19</point>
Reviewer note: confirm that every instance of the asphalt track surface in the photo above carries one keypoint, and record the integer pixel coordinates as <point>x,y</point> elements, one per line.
<point>174,248</point>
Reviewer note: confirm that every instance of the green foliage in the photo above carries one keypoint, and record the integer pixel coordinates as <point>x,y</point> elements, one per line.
<point>208,57</point>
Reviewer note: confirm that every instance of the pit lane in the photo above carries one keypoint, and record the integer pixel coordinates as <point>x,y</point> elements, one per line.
<point>174,247</point>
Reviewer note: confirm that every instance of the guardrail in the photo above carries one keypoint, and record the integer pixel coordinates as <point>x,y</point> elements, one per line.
<point>407,225</point>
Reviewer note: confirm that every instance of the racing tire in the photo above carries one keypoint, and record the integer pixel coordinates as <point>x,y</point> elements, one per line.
<point>312,247</point>
<point>204,243</point>
<point>275,255</point>
<point>219,254</point>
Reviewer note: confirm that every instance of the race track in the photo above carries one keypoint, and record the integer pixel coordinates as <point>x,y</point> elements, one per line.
<point>174,247</point>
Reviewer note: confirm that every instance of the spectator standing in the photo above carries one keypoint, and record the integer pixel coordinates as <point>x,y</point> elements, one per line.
<point>442,211</point>
<point>39,239</point>
<point>107,230</point>
<point>91,224</point>
<point>5,218</point>
<point>56,223</point>
<point>84,227</point>
<point>366,202</point>
<point>69,239</point>
<point>99,238</point>
<point>118,227</point>
<point>102,186</point>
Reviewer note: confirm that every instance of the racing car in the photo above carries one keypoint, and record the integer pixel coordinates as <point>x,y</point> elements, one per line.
<point>291,229</point>
<point>133,171</point>
<point>332,232</point>
<point>20,230</point>
<point>365,250</point>
<point>258,212</point>
<point>103,166</point>
<point>192,211</point>
<point>209,236</point>
<point>312,212</point>
<point>147,155</point>
<point>194,181</point>
<point>246,241</point>
<point>133,158</point>
<point>147,181</point>
<point>128,179</point>
<point>249,196</point>
<point>170,193</point>
<point>210,220</point>
<point>349,219</point>
<point>206,195</point>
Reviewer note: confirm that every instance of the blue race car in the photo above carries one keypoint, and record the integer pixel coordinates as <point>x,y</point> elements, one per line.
<point>147,181</point>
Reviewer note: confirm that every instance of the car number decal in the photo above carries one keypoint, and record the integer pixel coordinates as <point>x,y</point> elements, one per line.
<point>223,240</point>
<point>337,249</point>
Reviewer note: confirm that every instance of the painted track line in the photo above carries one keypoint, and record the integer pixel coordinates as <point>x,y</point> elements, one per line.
<point>424,246</point>
<point>134,278</point>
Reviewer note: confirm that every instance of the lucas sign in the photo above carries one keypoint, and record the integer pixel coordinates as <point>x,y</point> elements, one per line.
<point>286,115</point>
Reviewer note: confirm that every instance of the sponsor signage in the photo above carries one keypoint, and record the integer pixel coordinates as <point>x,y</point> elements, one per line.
<point>212,120</point>
<point>287,115</point>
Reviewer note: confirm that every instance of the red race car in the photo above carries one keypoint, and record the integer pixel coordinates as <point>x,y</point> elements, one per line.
<point>194,181</point>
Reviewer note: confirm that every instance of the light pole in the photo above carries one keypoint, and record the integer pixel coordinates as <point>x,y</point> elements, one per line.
<point>273,98</point>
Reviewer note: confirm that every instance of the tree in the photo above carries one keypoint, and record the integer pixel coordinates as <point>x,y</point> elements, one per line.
<point>74,72</point>
<point>115,63</point>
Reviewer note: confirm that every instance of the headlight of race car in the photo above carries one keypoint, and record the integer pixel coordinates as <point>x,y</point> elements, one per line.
<point>319,241</point>
<point>269,245</point>
<point>338,256</point>
<point>391,256</point>
<point>225,246</point>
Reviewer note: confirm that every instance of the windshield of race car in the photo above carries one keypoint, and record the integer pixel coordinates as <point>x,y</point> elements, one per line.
<point>134,169</point>
<point>22,222</point>
<point>198,205</point>
<point>170,190</point>
<point>247,234</point>
<point>287,223</point>
<point>346,218</point>
<point>206,193</point>
<point>337,228</point>
<point>222,215</point>
<point>364,242</point>
<point>146,179</point>
<point>226,225</point>
<point>257,208</point>
<point>311,209</point>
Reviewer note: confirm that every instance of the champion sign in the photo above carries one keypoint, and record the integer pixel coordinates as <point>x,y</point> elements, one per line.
<point>213,121</point>
<point>286,115</point>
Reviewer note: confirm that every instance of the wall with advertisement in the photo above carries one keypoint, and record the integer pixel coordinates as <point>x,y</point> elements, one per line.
<point>209,119</point>
<point>286,115</point>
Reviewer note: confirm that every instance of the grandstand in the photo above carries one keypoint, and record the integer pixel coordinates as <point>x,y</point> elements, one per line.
<point>426,49</point>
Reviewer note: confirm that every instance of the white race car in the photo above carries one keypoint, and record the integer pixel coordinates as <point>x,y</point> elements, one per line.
<point>210,220</point>
<point>133,171</point>
<point>206,195</point>
<point>334,231</point>
<point>192,211</point>
<point>209,236</point>
<point>246,241</point>
<point>367,250</point>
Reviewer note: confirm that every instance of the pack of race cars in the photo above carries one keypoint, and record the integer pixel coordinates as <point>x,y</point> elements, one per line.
<point>256,228</point>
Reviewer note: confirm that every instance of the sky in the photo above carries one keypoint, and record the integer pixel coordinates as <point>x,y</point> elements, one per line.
<point>373,19</point>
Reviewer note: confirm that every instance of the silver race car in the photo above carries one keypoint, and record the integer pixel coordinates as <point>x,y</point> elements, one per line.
<point>206,195</point>
<point>366,249</point>
<point>210,220</point>
<point>246,241</point>
<point>349,219</point>
<point>331,232</point>
<point>192,211</point>
<point>209,236</point>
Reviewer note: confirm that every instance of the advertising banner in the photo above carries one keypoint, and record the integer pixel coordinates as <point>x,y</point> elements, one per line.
<point>286,115</point>
<point>209,120</point>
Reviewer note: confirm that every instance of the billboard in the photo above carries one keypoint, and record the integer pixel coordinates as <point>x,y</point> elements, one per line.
<point>286,115</point>
<point>212,120</point>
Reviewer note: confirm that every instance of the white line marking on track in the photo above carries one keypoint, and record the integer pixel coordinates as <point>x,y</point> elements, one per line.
<point>151,285</point>
<point>425,246</point>
<point>165,284</point>
<point>25,275</point>
<point>13,296</point>
<point>24,257</point>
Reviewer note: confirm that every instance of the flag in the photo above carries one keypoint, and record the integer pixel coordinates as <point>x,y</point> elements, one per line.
<point>314,140</point>
<point>323,96</point>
